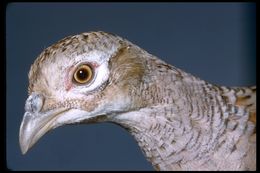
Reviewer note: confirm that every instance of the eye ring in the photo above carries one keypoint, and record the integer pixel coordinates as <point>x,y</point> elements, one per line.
<point>83,74</point>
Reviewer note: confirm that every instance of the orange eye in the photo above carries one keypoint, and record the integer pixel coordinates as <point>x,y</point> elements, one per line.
<point>83,74</point>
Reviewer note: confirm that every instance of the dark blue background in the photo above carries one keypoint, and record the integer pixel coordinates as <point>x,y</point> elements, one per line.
<point>214,41</point>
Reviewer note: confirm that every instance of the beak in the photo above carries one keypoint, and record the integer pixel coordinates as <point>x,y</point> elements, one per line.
<point>35,125</point>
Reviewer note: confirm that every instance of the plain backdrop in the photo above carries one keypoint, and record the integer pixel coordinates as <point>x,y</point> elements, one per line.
<point>214,41</point>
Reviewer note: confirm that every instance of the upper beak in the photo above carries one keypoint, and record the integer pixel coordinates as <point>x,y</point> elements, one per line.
<point>35,123</point>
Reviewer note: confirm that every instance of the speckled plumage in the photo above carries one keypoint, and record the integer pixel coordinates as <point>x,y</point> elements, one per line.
<point>180,121</point>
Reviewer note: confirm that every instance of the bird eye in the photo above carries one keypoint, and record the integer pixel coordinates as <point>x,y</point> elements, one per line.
<point>83,74</point>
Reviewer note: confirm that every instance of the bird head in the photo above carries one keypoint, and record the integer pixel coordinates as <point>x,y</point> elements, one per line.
<point>85,78</point>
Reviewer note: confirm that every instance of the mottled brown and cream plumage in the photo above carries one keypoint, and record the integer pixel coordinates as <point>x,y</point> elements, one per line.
<point>179,121</point>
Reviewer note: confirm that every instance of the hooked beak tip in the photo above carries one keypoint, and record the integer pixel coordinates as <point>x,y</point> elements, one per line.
<point>24,150</point>
<point>24,146</point>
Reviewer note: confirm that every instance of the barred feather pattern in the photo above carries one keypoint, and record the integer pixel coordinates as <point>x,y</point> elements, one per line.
<point>191,124</point>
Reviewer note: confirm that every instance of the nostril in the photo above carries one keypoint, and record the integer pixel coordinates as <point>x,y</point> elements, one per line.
<point>34,102</point>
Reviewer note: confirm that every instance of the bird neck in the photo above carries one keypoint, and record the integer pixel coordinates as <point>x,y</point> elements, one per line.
<point>186,126</point>
<point>168,140</point>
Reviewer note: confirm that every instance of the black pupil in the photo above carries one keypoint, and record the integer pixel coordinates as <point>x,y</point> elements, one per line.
<point>82,74</point>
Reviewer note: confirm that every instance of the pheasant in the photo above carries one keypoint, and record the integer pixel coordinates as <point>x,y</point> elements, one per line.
<point>179,121</point>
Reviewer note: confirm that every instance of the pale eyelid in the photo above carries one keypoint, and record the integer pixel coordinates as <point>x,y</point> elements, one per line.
<point>93,69</point>
<point>100,71</point>
<point>69,83</point>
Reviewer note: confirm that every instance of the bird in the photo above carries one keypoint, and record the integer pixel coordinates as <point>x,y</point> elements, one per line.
<point>179,121</point>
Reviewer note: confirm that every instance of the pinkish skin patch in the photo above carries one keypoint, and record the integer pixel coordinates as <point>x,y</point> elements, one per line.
<point>68,79</point>
<point>68,82</point>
